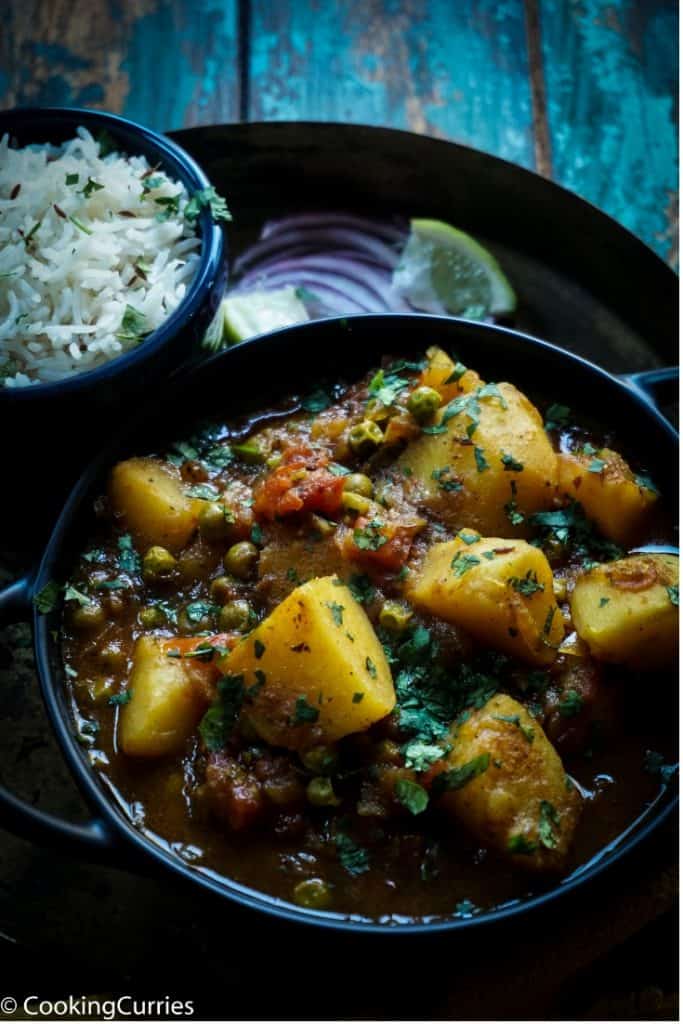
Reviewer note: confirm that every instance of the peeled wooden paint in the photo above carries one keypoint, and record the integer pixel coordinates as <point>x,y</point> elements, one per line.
<point>317,669</point>
<point>150,497</point>
<point>167,700</point>
<point>522,803</point>
<point>470,479</point>
<point>480,586</point>
<point>624,611</point>
<point>609,493</point>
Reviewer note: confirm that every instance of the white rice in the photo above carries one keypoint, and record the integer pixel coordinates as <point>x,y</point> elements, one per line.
<point>64,290</point>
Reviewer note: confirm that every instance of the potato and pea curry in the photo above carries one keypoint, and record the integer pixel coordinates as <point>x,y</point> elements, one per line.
<point>375,651</point>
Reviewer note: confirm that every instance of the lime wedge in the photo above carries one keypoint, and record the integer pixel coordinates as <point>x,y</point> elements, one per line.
<point>244,315</point>
<point>442,269</point>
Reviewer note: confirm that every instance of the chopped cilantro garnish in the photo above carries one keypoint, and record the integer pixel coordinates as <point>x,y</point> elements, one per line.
<point>549,822</point>
<point>596,465</point>
<point>370,668</point>
<point>337,612</point>
<point>557,416</point>
<point>77,224</point>
<point>456,778</point>
<point>47,599</point>
<point>446,479</point>
<point>465,908</point>
<point>520,844</point>
<point>386,387</point>
<point>526,730</point>
<point>480,459</point>
<point>197,610</point>
<point>673,594</point>
<point>170,206</point>
<point>357,697</point>
<point>411,795</point>
<point>259,648</point>
<point>569,526</point>
<point>129,560</point>
<point>207,198</point>
<point>362,588</point>
<point>420,755</point>
<point>469,536</point>
<point>133,325</point>
<point>604,601</point>
<point>71,179</point>
<point>218,722</point>
<point>304,712</point>
<point>654,765</point>
<point>316,401</point>
<point>571,704</point>
<point>121,698</point>
<point>370,537</point>
<point>256,535</point>
<point>643,480</point>
<point>207,492</point>
<point>71,594</point>
<point>457,372</point>
<point>511,464</point>
<point>337,470</point>
<point>352,857</point>
<point>463,562</point>
<point>528,585</point>
<point>90,187</point>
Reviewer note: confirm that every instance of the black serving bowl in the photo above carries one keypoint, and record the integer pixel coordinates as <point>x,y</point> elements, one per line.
<point>249,377</point>
<point>45,419</point>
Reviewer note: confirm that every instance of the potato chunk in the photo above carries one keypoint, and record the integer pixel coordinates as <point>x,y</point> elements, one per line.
<point>506,783</point>
<point>317,668</point>
<point>493,452</point>
<point>625,611</point>
<point>441,374</point>
<point>150,497</point>
<point>167,701</point>
<point>500,591</point>
<point>609,493</point>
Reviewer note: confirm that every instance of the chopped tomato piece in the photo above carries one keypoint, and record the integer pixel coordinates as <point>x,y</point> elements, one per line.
<point>384,544</point>
<point>301,483</point>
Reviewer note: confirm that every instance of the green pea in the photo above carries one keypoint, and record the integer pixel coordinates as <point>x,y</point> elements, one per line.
<point>359,483</point>
<point>356,503</point>
<point>320,793</point>
<point>322,759</point>
<point>212,522</point>
<point>423,403</point>
<point>365,437</point>
<point>313,893</point>
<point>157,563</point>
<point>240,560</point>
<point>236,615</point>
<point>151,617</point>
<point>88,616</point>
<point>222,589</point>
<point>395,617</point>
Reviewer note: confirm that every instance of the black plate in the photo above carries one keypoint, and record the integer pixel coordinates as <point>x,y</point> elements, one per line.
<point>584,282</point>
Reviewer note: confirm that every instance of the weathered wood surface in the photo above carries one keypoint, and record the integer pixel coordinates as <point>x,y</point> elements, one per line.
<point>581,90</point>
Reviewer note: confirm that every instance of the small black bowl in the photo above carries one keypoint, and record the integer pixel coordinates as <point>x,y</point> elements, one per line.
<point>54,421</point>
<point>248,378</point>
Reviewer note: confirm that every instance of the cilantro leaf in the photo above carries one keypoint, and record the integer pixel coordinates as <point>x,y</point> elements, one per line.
<point>337,612</point>
<point>549,822</point>
<point>411,795</point>
<point>480,459</point>
<point>134,325</point>
<point>121,698</point>
<point>370,537</point>
<point>353,858</point>
<point>129,560</point>
<point>218,722</point>
<point>47,599</point>
<point>528,585</point>
<point>463,562</point>
<point>557,416</point>
<point>207,198</point>
<point>304,712</point>
<point>420,755</point>
<point>511,464</point>
<point>456,778</point>
<point>316,401</point>
<point>571,704</point>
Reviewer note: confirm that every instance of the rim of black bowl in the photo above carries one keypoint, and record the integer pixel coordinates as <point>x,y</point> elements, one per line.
<point>150,845</point>
<point>187,171</point>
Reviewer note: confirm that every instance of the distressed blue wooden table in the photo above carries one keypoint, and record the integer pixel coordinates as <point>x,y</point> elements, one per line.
<point>582,91</point>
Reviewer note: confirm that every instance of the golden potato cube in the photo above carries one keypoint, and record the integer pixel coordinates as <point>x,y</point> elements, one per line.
<point>317,669</point>
<point>150,497</point>
<point>500,591</point>
<point>627,611</point>
<point>609,493</point>
<point>166,703</point>
<point>505,782</point>
<point>493,461</point>
<point>440,373</point>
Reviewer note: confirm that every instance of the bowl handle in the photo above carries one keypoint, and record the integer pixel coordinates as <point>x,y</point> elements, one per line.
<point>657,387</point>
<point>93,840</point>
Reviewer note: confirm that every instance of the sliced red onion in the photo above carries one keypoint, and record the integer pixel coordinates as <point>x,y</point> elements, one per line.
<point>344,262</point>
